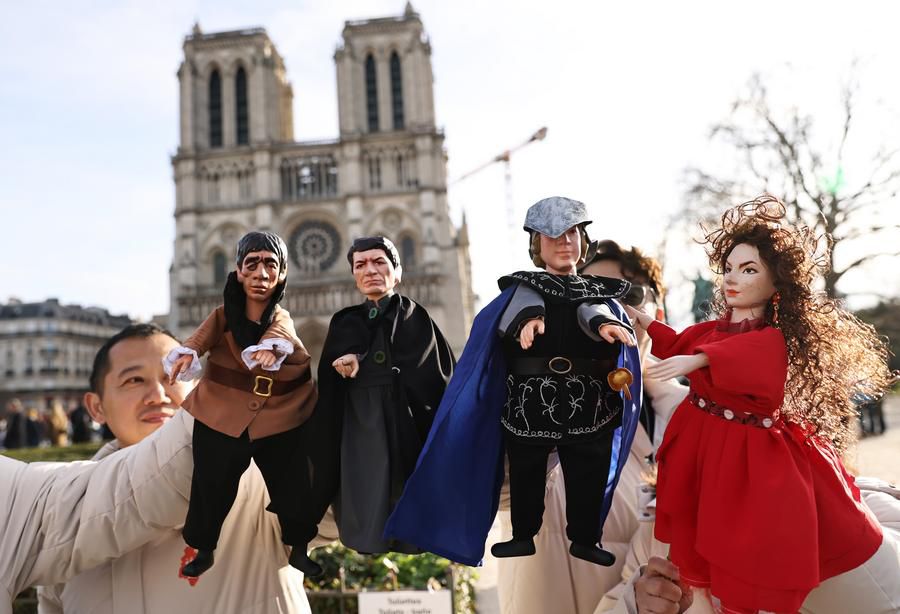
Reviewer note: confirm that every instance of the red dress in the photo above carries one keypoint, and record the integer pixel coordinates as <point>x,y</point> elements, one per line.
<point>759,515</point>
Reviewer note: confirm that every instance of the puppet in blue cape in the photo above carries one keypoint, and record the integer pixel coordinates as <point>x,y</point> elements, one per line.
<point>450,501</point>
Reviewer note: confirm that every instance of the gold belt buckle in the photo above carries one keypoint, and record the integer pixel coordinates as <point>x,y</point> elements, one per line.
<point>262,378</point>
<point>564,360</point>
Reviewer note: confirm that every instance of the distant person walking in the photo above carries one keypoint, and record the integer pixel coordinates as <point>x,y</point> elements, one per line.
<point>57,425</point>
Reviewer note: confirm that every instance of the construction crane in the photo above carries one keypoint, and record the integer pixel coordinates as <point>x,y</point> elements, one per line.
<point>505,157</point>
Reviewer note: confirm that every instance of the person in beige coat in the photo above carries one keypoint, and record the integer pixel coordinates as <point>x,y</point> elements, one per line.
<point>649,581</point>
<point>132,394</point>
<point>551,581</point>
<point>60,519</point>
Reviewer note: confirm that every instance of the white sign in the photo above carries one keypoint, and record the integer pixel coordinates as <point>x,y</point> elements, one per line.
<point>405,602</point>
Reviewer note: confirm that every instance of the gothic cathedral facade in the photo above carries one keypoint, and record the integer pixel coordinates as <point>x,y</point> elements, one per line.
<point>238,168</point>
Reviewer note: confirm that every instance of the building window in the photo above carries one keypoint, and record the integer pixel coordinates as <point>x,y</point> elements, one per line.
<point>215,109</point>
<point>240,97</point>
<point>371,94</point>
<point>214,195</point>
<point>309,178</point>
<point>374,172</point>
<point>396,91</point>
<point>220,268</point>
<point>408,252</point>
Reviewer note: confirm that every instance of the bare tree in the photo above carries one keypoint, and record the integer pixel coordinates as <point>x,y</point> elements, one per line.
<point>776,154</point>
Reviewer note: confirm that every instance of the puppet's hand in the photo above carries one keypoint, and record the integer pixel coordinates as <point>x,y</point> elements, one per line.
<point>638,317</point>
<point>529,330</point>
<point>659,591</point>
<point>347,365</point>
<point>677,366</point>
<point>181,364</point>
<point>613,332</point>
<point>266,358</point>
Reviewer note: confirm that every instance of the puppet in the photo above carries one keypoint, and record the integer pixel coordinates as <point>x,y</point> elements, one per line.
<point>550,363</point>
<point>384,367</point>
<point>751,493</point>
<point>254,395</point>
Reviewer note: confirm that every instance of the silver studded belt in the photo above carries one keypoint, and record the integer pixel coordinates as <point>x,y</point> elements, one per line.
<point>741,417</point>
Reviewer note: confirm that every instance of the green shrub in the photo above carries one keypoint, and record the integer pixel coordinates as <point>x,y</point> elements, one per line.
<point>78,451</point>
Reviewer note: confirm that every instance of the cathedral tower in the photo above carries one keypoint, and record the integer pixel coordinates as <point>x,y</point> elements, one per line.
<point>238,168</point>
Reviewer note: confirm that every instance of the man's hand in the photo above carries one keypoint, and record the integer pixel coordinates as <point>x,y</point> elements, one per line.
<point>266,358</point>
<point>181,364</point>
<point>657,591</point>
<point>347,365</point>
<point>613,332</point>
<point>677,366</point>
<point>529,330</point>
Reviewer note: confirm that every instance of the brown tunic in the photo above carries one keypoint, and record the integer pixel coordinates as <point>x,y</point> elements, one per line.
<point>229,410</point>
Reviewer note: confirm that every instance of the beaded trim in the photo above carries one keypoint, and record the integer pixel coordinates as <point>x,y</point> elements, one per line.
<point>711,407</point>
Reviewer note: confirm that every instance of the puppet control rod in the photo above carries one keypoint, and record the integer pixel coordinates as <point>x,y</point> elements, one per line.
<point>504,157</point>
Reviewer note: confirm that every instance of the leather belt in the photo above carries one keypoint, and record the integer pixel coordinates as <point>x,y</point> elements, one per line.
<point>260,385</point>
<point>560,365</point>
<point>744,417</point>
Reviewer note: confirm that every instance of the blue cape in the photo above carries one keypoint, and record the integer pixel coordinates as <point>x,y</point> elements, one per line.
<point>450,500</point>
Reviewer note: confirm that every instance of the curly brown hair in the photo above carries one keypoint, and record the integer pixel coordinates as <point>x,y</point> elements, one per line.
<point>832,355</point>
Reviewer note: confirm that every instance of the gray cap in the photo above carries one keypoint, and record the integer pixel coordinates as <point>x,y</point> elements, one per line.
<point>555,215</point>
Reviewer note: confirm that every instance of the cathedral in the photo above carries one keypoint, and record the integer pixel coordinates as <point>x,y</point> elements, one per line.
<point>238,168</point>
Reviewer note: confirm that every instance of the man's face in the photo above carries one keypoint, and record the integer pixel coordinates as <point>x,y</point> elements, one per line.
<point>560,255</point>
<point>375,275</point>
<point>259,275</point>
<point>136,397</point>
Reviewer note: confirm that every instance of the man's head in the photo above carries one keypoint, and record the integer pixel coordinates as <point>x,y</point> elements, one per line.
<point>261,264</point>
<point>375,264</point>
<point>129,388</point>
<point>13,406</point>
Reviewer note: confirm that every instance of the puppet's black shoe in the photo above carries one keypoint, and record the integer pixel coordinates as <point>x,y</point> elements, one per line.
<point>592,553</point>
<point>203,561</point>
<point>514,547</point>
<point>300,560</point>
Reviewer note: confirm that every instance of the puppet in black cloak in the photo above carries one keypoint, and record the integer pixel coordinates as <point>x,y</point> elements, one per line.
<point>383,370</point>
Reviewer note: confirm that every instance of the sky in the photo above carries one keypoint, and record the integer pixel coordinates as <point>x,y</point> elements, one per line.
<point>88,114</point>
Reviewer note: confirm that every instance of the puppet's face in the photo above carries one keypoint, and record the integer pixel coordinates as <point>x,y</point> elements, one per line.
<point>560,255</point>
<point>259,275</point>
<point>135,397</point>
<point>375,275</point>
<point>747,282</point>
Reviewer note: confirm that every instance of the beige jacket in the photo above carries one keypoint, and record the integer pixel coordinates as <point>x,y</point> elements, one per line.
<point>59,519</point>
<point>251,574</point>
<point>871,588</point>
<point>554,581</point>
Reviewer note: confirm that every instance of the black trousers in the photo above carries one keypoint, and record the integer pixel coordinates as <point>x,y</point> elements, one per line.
<point>219,463</point>
<point>585,466</point>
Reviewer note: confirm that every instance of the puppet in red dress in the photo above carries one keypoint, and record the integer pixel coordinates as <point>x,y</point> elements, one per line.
<point>752,496</point>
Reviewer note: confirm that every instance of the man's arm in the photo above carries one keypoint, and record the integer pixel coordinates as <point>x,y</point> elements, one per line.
<point>65,518</point>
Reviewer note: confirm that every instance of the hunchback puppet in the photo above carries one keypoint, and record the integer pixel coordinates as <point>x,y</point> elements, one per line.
<point>384,367</point>
<point>254,395</point>
<point>550,363</point>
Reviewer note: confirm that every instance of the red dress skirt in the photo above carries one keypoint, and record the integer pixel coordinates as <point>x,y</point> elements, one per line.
<point>752,507</point>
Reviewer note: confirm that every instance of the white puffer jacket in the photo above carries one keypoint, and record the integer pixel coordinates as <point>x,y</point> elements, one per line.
<point>59,519</point>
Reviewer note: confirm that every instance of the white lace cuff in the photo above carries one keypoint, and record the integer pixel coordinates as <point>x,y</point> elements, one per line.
<point>192,372</point>
<point>282,348</point>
